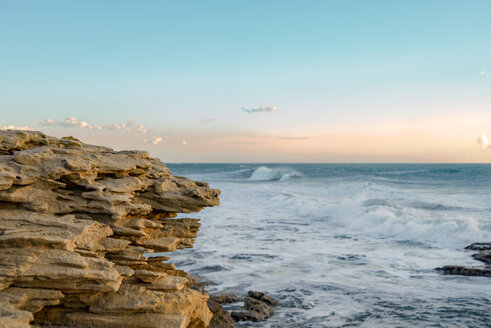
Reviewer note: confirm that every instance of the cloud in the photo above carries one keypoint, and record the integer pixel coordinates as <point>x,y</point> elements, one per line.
<point>207,120</point>
<point>485,73</point>
<point>483,142</point>
<point>14,127</point>
<point>75,122</point>
<point>49,122</point>
<point>130,125</point>
<point>154,140</point>
<point>261,109</point>
<point>71,122</point>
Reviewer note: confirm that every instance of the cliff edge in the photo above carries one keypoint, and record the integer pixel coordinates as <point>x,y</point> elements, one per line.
<point>76,221</point>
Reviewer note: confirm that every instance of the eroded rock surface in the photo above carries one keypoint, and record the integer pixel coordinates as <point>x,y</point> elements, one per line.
<point>76,221</point>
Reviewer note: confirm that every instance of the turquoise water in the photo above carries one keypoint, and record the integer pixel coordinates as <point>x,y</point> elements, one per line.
<point>346,245</point>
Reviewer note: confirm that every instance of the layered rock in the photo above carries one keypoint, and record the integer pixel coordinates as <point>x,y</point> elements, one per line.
<point>77,223</point>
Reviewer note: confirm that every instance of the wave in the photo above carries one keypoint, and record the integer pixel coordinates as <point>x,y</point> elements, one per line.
<point>237,173</point>
<point>264,173</point>
<point>404,172</point>
<point>412,204</point>
<point>393,213</point>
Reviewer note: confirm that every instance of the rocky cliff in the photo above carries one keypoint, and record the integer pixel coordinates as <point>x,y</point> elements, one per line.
<point>76,225</point>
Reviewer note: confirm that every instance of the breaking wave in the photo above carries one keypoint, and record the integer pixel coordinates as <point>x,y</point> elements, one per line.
<point>264,173</point>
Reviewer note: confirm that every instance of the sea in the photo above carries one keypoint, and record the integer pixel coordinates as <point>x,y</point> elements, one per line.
<point>346,245</point>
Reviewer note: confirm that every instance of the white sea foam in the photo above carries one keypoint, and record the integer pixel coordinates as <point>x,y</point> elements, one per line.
<point>381,211</point>
<point>264,173</point>
<point>353,249</point>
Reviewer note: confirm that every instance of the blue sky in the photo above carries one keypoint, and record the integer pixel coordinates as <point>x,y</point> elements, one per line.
<point>349,73</point>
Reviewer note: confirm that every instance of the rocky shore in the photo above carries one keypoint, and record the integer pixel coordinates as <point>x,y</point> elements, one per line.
<point>77,223</point>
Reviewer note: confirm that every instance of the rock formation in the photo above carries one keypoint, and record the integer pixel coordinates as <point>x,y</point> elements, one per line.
<point>77,223</point>
<point>221,317</point>
<point>257,307</point>
<point>484,256</point>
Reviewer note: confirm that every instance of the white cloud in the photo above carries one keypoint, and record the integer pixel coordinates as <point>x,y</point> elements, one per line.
<point>483,142</point>
<point>71,122</point>
<point>75,122</point>
<point>485,73</point>
<point>208,120</point>
<point>154,140</point>
<point>130,125</point>
<point>261,109</point>
<point>48,122</point>
<point>14,127</point>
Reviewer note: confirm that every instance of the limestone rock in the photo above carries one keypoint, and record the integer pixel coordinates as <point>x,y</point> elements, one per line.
<point>75,222</point>
<point>221,317</point>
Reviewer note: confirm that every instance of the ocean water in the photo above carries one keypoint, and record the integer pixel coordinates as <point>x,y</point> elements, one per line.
<point>346,245</point>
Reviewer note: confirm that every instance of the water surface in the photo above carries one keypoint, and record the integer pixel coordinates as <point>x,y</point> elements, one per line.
<point>346,245</point>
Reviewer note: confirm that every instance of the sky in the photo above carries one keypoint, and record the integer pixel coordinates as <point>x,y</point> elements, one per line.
<point>254,81</point>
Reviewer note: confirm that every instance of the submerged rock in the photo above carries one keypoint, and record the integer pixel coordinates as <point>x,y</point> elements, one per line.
<point>258,307</point>
<point>484,256</point>
<point>479,247</point>
<point>263,298</point>
<point>75,223</point>
<point>466,271</point>
<point>227,298</point>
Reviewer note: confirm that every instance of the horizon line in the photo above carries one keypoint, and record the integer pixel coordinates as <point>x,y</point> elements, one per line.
<point>335,163</point>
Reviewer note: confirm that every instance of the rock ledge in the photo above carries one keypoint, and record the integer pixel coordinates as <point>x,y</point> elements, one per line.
<point>76,224</point>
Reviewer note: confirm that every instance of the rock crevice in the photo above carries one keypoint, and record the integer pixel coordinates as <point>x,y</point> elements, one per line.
<point>77,223</point>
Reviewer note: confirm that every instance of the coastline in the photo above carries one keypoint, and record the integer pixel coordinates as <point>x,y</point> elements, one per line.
<point>79,224</point>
